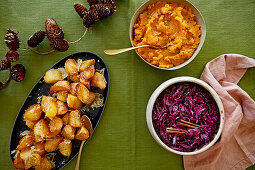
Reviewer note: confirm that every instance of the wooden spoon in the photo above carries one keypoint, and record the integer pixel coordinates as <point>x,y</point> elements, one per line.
<point>88,125</point>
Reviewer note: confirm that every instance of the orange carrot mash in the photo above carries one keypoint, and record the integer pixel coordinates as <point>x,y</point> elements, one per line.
<point>167,23</point>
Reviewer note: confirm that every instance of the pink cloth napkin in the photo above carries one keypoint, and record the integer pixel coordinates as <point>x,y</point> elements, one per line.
<point>236,147</point>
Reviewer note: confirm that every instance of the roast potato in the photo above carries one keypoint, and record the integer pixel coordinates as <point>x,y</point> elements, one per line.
<point>65,147</point>
<point>68,132</point>
<point>73,88</point>
<point>26,142</point>
<point>62,107</point>
<point>82,134</point>
<point>56,124</point>
<point>65,119</point>
<point>49,106</point>
<point>85,64</point>
<point>35,159</point>
<point>52,76</point>
<point>85,95</point>
<point>62,96</point>
<point>52,144</point>
<point>41,129</point>
<point>98,81</point>
<point>60,86</point>
<point>74,78</point>
<point>18,162</point>
<point>45,164</point>
<point>39,148</point>
<point>33,113</point>
<point>86,82</point>
<point>71,67</point>
<point>88,73</point>
<point>30,124</point>
<point>75,118</point>
<point>73,102</point>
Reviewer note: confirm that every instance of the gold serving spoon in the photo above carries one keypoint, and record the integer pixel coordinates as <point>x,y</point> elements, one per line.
<point>88,125</point>
<point>118,51</point>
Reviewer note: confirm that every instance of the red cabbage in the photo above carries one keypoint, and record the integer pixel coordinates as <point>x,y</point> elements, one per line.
<point>189,102</point>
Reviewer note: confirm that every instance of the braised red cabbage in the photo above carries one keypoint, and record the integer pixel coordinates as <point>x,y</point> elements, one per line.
<point>189,102</point>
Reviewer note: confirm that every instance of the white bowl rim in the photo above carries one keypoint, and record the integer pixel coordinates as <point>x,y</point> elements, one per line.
<point>161,88</point>
<point>202,37</point>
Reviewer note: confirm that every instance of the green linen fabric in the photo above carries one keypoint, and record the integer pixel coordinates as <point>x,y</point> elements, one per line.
<point>122,139</point>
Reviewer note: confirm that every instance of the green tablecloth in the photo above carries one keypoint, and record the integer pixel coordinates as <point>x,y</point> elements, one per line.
<point>122,140</point>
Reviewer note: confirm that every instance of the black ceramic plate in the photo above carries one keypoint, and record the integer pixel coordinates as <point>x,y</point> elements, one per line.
<point>42,88</point>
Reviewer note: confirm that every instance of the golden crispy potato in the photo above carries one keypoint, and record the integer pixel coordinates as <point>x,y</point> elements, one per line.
<point>62,107</point>
<point>65,119</point>
<point>33,113</point>
<point>98,81</point>
<point>41,129</point>
<point>38,138</point>
<point>56,124</point>
<point>52,144</point>
<point>85,82</point>
<point>73,88</point>
<point>71,67</point>
<point>52,134</point>
<point>74,78</point>
<point>73,102</point>
<point>85,64</point>
<point>88,73</point>
<point>85,95</point>
<point>35,159</point>
<point>65,147</point>
<point>49,106</point>
<point>75,118</point>
<point>60,86</point>
<point>62,96</point>
<point>19,163</point>
<point>25,155</point>
<point>45,164</point>
<point>26,141</point>
<point>82,93</point>
<point>39,148</point>
<point>52,76</point>
<point>30,124</point>
<point>82,134</point>
<point>68,132</point>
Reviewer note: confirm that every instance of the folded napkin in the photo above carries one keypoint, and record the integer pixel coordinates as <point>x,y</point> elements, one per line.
<point>236,147</point>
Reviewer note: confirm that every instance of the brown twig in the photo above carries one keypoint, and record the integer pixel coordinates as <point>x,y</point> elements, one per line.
<point>85,32</point>
<point>29,49</point>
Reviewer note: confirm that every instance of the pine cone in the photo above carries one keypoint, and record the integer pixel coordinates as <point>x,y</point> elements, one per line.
<point>80,9</point>
<point>103,10</point>
<point>12,40</point>
<point>108,1</point>
<point>52,30</point>
<point>59,45</point>
<point>92,2</point>
<point>12,56</point>
<point>36,38</point>
<point>112,7</point>
<point>90,18</point>
<point>4,65</point>
<point>18,72</point>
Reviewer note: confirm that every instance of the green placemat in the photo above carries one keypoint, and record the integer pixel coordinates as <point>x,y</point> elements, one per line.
<point>122,140</point>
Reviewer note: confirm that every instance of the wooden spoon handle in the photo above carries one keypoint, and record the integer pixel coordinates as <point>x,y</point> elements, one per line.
<point>79,156</point>
<point>118,51</point>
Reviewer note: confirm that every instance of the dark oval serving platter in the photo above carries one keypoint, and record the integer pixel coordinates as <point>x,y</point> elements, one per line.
<point>42,88</point>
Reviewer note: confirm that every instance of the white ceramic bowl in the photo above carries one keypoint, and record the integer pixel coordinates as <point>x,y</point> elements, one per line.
<point>160,89</point>
<point>199,20</point>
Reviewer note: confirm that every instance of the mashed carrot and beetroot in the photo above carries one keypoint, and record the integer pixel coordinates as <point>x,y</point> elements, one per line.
<point>164,23</point>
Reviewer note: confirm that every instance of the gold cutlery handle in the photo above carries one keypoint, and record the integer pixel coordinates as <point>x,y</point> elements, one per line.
<point>118,51</point>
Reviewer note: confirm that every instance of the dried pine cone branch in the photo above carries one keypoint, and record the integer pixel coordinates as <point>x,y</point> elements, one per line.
<point>12,40</point>
<point>59,45</point>
<point>36,38</point>
<point>18,72</point>
<point>80,9</point>
<point>52,30</point>
<point>102,10</point>
<point>112,8</point>
<point>4,65</point>
<point>12,56</point>
<point>92,2</point>
<point>90,18</point>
